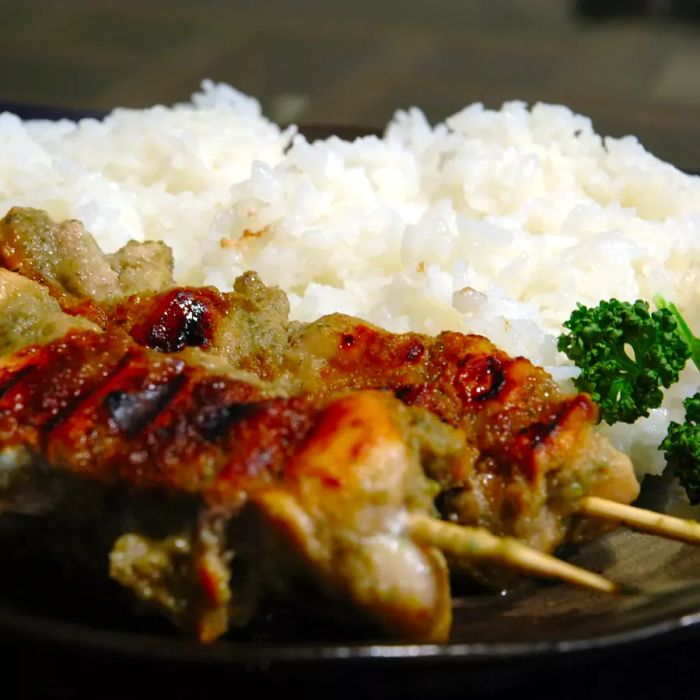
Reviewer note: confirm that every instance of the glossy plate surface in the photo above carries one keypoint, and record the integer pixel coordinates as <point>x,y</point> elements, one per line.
<point>661,596</point>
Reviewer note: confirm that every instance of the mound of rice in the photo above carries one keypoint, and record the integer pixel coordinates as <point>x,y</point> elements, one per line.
<point>494,222</point>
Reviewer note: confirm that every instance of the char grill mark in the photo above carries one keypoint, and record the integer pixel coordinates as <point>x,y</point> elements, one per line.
<point>414,352</point>
<point>94,375</point>
<point>463,379</point>
<point>96,405</point>
<point>50,381</point>
<point>215,420</point>
<point>480,378</point>
<point>537,441</point>
<point>347,340</point>
<point>132,411</point>
<point>144,425</point>
<point>11,380</point>
<point>408,394</point>
<point>177,319</point>
<point>259,446</point>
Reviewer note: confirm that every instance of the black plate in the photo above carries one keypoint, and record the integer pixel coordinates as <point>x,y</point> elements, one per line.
<point>535,638</point>
<point>538,635</point>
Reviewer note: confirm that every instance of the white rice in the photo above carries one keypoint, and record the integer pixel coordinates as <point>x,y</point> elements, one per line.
<point>494,222</point>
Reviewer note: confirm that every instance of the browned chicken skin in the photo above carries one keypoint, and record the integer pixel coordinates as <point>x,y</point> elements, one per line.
<point>231,399</point>
<point>247,326</point>
<point>534,449</point>
<point>531,450</point>
<point>66,259</point>
<point>331,480</point>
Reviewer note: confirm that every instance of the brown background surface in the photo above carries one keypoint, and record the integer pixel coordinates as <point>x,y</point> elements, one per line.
<point>355,62</point>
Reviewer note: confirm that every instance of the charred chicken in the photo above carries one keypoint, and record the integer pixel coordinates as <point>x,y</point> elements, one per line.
<point>286,459</point>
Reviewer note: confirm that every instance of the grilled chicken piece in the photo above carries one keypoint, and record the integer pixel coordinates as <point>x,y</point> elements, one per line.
<point>248,326</point>
<point>185,575</point>
<point>329,532</point>
<point>344,504</point>
<point>67,260</point>
<point>145,266</point>
<point>533,449</point>
<point>133,289</point>
<point>100,406</point>
<point>29,315</point>
<point>330,483</point>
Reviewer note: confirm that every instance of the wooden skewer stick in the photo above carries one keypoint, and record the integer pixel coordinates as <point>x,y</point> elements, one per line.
<point>641,519</point>
<point>479,544</point>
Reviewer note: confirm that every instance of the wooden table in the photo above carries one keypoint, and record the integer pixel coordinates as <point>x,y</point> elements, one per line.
<point>321,61</point>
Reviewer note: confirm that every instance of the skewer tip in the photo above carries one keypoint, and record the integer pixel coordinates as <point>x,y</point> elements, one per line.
<point>481,545</point>
<point>641,519</point>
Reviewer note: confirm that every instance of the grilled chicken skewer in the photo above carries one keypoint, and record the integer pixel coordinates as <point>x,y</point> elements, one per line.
<point>338,485</point>
<point>463,379</point>
<point>532,450</point>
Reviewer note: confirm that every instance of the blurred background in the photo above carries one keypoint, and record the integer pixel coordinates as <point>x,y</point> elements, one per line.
<point>632,65</point>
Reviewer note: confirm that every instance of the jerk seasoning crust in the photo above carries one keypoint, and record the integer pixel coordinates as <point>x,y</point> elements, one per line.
<point>216,395</point>
<point>330,482</point>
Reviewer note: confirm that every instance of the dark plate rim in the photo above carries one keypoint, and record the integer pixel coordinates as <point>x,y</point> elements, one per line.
<point>260,655</point>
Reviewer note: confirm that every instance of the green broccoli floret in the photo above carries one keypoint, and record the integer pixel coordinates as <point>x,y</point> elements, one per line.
<point>692,341</point>
<point>681,447</point>
<point>626,354</point>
